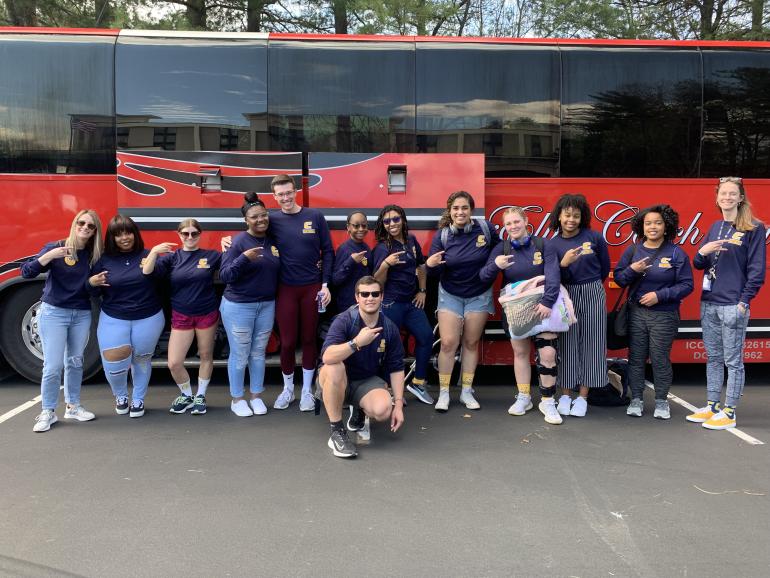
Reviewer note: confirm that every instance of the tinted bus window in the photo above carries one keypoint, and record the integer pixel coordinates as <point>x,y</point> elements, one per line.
<point>501,100</point>
<point>56,104</point>
<point>341,96</point>
<point>630,112</point>
<point>188,94</point>
<point>736,132</point>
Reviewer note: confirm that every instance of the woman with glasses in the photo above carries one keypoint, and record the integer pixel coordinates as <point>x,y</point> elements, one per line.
<point>194,313</point>
<point>459,251</point>
<point>250,268</point>
<point>65,315</point>
<point>732,257</point>
<point>659,276</point>
<point>352,261</point>
<point>399,266</point>
<point>132,319</point>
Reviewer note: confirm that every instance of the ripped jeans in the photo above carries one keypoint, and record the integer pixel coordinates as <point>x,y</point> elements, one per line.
<point>141,335</point>
<point>248,327</point>
<point>64,333</point>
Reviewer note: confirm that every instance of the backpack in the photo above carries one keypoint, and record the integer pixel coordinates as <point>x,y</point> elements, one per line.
<point>613,394</point>
<point>484,228</point>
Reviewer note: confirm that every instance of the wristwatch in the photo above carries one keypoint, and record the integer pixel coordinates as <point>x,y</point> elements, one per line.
<point>353,346</point>
<point>422,290</point>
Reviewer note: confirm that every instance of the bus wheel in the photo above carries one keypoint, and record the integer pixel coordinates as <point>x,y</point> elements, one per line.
<point>20,334</point>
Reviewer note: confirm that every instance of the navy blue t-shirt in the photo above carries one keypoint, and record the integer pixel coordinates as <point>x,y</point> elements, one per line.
<point>192,279</point>
<point>740,269</point>
<point>250,281</point>
<point>670,275</point>
<point>131,294</point>
<point>593,264</point>
<point>304,241</point>
<point>347,272</point>
<point>401,284</point>
<point>528,262</point>
<point>465,254</point>
<point>67,278</point>
<point>383,356</point>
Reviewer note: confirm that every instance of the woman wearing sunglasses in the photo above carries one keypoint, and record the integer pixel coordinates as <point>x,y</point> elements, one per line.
<point>399,266</point>
<point>352,261</point>
<point>250,268</point>
<point>194,309</point>
<point>732,258</point>
<point>65,315</point>
<point>131,320</point>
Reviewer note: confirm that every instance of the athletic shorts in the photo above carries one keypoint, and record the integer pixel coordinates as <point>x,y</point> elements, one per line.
<point>184,322</point>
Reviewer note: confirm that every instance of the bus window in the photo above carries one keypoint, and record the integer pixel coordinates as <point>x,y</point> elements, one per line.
<point>736,132</point>
<point>630,112</point>
<point>341,96</point>
<point>190,94</point>
<point>56,104</point>
<point>497,99</point>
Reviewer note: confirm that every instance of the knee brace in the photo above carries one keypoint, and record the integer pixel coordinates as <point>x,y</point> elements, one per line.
<point>540,343</point>
<point>547,391</point>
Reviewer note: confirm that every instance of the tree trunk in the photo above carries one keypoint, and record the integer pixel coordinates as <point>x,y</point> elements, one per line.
<point>707,20</point>
<point>196,14</point>
<point>757,9</point>
<point>22,12</point>
<point>254,15</point>
<point>104,13</point>
<point>340,10</point>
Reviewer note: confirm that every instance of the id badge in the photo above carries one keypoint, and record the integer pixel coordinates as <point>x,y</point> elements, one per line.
<point>706,283</point>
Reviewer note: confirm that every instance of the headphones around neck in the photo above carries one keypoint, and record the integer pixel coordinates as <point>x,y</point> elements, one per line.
<point>466,228</point>
<point>523,243</point>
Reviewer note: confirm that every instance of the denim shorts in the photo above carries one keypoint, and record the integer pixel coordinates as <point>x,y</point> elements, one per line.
<point>460,306</point>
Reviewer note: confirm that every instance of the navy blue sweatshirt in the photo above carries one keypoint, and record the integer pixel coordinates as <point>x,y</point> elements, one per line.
<point>67,278</point>
<point>593,264</point>
<point>401,284</point>
<point>192,279</point>
<point>670,276</point>
<point>366,363</point>
<point>131,294</point>
<point>347,272</point>
<point>250,281</point>
<point>465,255</point>
<point>740,269</point>
<point>528,262</point>
<point>304,241</point>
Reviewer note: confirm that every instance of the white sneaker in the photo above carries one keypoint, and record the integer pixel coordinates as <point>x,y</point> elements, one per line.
<point>565,404</point>
<point>306,402</point>
<point>79,413</point>
<point>662,409</point>
<point>522,405</point>
<point>579,407</point>
<point>548,408</point>
<point>442,404</point>
<point>44,421</point>
<point>284,399</point>
<point>635,408</point>
<point>467,398</point>
<point>258,406</point>
<point>241,408</point>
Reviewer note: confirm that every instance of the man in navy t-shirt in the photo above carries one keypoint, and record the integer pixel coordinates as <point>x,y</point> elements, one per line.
<point>362,352</point>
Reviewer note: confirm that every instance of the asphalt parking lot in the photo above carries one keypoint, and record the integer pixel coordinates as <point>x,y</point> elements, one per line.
<point>456,494</point>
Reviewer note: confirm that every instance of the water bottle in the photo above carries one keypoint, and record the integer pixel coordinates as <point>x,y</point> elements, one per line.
<point>320,298</point>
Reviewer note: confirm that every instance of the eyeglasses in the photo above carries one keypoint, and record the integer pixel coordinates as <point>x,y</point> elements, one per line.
<point>366,294</point>
<point>285,195</point>
<point>394,220</point>
<point>358,225</point>
<point>736,180</point>
<point>191,234</point>
<point>89,226</point>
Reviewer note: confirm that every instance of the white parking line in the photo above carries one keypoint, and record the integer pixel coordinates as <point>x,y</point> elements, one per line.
<point>17,410</point>
<point>735,431</point>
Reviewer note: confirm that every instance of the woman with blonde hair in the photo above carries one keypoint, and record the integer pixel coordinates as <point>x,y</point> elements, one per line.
<point>65,314</point>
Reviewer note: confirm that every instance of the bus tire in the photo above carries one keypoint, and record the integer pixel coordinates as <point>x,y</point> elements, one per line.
<point>20,339</point>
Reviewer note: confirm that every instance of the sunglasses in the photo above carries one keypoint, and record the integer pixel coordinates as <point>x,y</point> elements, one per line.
<point>191,234</point>
<point>358,225</point>
<point>736,180</point>
<point>89,226</point>
<point>366,294</point>
<point>394,220</point>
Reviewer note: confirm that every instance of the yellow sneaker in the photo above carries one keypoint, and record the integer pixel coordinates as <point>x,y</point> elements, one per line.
<point>703,414</point>
<point>720,421</point>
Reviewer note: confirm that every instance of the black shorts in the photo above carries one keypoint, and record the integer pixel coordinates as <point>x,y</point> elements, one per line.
<point>358,388</point>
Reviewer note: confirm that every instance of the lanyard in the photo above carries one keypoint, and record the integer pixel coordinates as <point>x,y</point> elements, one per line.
<point>713,269</point>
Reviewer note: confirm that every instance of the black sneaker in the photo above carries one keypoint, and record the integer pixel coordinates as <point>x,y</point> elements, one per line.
<point>137,409</point>
<point>181,404</point>
<point>199,405</point>
<point>341,445</point>
<point>356,419</point>
<point>121,405</point>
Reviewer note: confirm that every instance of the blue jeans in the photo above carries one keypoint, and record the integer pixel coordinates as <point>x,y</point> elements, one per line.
<point>416,322</point>
<point>248,327</point>
<point>724,334</point>
<point>64,333</point>
<point>141,335</point>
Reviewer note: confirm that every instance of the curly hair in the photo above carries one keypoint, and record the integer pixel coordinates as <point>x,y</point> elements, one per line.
<point>571,201</point>
<point>446,219</point>
<point>381,233</point>
<point>670,220</point>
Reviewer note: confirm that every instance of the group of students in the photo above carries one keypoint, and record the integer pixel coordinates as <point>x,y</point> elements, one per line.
<point>281,267</point>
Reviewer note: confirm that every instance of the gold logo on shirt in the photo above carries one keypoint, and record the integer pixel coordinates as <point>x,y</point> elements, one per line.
<point>481,240</point>
<point>737,238</point>
<point>274,251</point>
<point>365,261</point>
<point>70,261</point>
<point>537,258</point>
<point>665,263</point>
<point>381,348</point>
<point>307,227</point>
<point>203,264</point>
<point>586,249</point>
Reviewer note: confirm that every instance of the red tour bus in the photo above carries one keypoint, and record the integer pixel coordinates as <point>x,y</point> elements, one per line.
<point>166,125</point>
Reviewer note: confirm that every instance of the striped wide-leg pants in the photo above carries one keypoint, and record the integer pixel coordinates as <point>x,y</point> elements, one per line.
<point>583,349</point>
